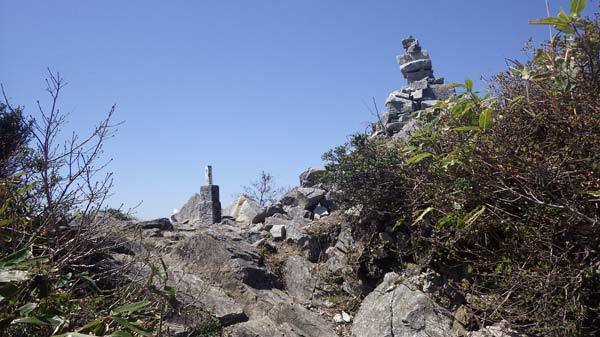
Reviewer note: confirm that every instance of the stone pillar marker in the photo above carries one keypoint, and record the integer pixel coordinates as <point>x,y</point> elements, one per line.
<point>202,208</point>
<point>208,175</point>
<point>209,194</point>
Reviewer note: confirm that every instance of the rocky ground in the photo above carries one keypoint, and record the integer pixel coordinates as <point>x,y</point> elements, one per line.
<point>292,269</point>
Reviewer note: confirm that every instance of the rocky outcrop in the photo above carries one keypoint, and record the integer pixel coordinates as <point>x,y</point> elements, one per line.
<point>311,176</point>
<point>220,251</point>
<point>395,309</point>
<point>304,197</point>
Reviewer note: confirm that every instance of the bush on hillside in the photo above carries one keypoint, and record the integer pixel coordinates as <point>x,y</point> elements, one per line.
<point>57,275</point>
<point>504,190</point>
<point>367,173</point>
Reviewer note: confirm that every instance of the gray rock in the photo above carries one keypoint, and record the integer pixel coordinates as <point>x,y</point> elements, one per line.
<point>416,66</point>
<point>213,299</point>
<point>337,254</point>
<point>398,105</point>
<point>406,130</point>
<point>331,201</point>
<point>299,278</point>
<point>419,85</point>
<point>393,128</point>
<point>245,209</point>
<point>257,228</point>
<point>274,209</point>
<point>311,176</point>
<point>337,318</point>
<point>278,232</point>
<point>393,309</point>
<point>389,117</point>
<point>305,197</point>
<point>293,228</point>
<point>222,252</point>
<point>441,91</point>
<point>162,224</point>
<point>417,94</point>
<point>276,315</point>
<point>296,212</point>
<point>428,103</point>
<point>320,211</point>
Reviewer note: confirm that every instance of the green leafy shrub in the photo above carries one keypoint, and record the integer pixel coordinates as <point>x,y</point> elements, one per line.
<point>501,193</point>
<point>367,173</point>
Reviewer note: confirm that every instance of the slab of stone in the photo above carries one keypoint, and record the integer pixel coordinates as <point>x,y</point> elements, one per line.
<point>305,197</point>
<point>278,232</point>
<point>221,252</point>
<point>394,309</point>
<point>441,91</point>
<point>296,212</point>
<point>299,278</point>
<point>311,176</point>
<point>162,224</point>
<point>245,209</point>
<point>428,103</point>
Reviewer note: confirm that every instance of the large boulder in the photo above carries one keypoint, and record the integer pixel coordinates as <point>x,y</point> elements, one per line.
<point>312,176</point>
<point>296,212</point>
<point>299,278</point>
<point>192,288</point>
<point>162,224</point>
<point>395,310</point>
<point>274,313</point>
<point>222,252</point>
<point>305,197</point>
<point>245,209</point>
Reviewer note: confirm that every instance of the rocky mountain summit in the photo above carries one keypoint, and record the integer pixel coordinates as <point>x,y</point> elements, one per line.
<point>299,267</point>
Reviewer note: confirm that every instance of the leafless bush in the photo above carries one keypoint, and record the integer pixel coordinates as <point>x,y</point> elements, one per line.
<point>264,190</point>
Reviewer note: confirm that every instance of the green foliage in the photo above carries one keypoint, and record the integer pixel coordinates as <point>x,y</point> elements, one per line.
<point>367,174</point>
<point>118,214</point>
<point>511,185</point>
<point>500,193</point>
<point>15,131</point>
<point>563,22</point>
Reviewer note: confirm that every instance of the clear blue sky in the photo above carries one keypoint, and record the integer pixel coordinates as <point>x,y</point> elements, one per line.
<point>242,85</point>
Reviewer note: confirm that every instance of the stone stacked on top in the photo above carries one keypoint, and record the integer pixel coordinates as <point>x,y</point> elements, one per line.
<point>423,90</point>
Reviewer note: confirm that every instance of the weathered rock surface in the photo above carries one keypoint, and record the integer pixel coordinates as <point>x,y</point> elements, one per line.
<point>299,278</point>
<point>278,232</point>
<point>305,197</point>
<point>394,309</point>
<point>162,224</point>
<point>245,209</point>
<point>221,252</point>
<point>311,177</point>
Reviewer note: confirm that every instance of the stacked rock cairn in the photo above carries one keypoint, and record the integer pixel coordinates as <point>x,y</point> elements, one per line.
<point>422,91</point>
